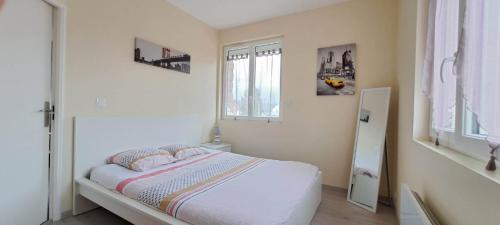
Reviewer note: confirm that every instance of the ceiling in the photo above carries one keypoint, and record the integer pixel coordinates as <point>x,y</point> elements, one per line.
<point>223,14</point>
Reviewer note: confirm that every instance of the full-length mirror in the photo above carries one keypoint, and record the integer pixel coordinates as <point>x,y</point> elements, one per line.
<point>369,147</point>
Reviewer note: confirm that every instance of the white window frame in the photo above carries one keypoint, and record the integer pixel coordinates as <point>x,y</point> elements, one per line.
<point>251,89</point>
<point>459,140</point>
<point>472,145</point>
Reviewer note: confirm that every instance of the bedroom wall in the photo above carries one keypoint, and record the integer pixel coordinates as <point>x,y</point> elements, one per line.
<point>455,194</point>
<point>320,129</point>
<point>100,50</point>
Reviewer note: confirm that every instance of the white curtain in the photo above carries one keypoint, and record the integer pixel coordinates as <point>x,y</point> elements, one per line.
<point>442,44</point>
<point>479,64</point>
<point>237,84</point>
<point>267,85</point>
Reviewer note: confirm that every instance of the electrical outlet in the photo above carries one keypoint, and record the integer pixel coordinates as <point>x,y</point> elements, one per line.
<point>101,102</point>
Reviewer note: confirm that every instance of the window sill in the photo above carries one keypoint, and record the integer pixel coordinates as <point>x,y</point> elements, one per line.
<point>468,162</point>
<point>254,119</point>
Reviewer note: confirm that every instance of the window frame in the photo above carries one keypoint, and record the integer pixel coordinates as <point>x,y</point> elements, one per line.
<point>251,45</point>
<point>472,145</point>
<point>459,140</point>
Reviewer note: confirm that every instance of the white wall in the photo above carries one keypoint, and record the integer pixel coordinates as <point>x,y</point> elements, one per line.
<point>320,129</point>
<point>457,195</point>
<point>100,63</point>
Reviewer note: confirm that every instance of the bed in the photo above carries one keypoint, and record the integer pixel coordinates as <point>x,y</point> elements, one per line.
<point>251,193</point>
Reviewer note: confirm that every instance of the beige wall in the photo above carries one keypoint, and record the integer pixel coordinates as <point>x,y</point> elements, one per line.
<point>100,48</point>
<point>455,194</point>
<point>319,129</point>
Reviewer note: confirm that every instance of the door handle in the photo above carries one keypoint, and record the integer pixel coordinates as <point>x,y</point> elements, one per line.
<point>446,60</point>
<point>48,112</point>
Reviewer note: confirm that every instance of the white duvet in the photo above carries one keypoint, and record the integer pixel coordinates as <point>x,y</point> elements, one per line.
<point>216,189</point>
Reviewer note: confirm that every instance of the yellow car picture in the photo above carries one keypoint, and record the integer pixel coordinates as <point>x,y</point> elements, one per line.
<point>335,82</point>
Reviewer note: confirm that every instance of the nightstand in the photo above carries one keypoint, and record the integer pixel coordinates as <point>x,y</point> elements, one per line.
<point>221,147</point>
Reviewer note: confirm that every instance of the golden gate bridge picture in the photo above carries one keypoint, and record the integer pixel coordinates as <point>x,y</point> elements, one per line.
<point>156,55</point>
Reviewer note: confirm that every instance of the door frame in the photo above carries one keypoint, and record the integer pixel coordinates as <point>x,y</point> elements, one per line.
<point>58,65</point>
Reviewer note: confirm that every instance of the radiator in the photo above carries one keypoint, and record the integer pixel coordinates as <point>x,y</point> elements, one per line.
<point>413,210</point>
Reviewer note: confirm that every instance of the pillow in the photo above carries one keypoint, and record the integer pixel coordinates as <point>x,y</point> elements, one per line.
<point>188,152</point>
<point>142,159</point>
<point>173,148</point>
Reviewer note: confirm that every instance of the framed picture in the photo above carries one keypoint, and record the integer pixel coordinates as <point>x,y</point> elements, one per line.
<point>152,54</point>
<point>336,70</point>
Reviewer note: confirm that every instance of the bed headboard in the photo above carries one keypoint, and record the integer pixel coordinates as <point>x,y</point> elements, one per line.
<point>96,138</point>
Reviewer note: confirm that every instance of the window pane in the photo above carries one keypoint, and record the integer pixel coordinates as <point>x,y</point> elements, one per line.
<point>237,80</point>
<point>267,81</point>
<point>472,127</point>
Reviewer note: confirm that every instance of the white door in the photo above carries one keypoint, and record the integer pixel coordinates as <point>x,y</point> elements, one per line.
<point>25,78</point>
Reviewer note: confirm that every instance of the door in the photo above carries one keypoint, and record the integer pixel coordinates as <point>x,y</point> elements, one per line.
<point>25,84</point>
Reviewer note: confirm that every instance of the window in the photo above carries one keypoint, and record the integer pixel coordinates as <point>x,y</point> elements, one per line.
<point>449,55</point>
<point>472,128</point>
<point>252,81</point>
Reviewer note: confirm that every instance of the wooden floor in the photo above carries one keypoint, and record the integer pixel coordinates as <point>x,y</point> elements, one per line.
<point>334,210</point>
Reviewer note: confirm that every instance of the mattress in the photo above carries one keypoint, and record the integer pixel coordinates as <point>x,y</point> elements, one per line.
<point>216,188</point>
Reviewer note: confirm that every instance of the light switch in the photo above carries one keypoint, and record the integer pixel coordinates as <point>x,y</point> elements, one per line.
<point>101,102</point>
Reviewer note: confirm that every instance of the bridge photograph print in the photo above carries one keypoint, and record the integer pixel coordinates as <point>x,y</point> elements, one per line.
<point>156,55</point>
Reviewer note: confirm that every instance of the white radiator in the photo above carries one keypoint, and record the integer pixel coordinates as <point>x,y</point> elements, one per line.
<point>413,210</point>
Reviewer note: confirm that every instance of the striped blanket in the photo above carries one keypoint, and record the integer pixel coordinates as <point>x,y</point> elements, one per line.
<point>168,194</point>
<point>207,189</point>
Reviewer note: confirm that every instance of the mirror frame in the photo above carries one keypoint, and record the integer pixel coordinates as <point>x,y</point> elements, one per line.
<point>388,90</point>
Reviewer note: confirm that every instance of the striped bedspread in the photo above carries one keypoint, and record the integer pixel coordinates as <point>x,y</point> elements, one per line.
<point>223,188</point>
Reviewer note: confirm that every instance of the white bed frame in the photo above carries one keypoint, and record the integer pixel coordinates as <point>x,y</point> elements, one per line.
<point>96,138</point>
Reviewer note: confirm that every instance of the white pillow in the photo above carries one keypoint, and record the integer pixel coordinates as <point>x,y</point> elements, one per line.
<point>189,152</point>
<point>173,148</point>
<point>142,159</point>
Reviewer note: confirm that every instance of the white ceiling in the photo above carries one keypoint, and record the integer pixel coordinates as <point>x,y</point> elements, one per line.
<point>222,14</point>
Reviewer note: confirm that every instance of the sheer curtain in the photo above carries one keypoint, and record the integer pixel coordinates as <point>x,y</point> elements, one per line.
<point>442,44</point>
<point>479,64</point>
<point>267,81</point>
<point>237,83</point>
<point>476,64</point>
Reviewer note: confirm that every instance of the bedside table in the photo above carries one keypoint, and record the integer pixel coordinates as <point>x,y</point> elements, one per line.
<point>221,147</point>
